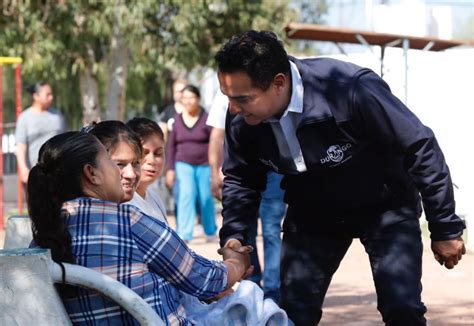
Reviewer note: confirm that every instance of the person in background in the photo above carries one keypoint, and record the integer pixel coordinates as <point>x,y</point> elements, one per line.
<point>165,121</point>
<point>75,194</point>
<point>187,164</point>
<point>166,118</point>
<point>36,125</point>
<point>152,142</point>
<point>357,163</point>
<point>271,211</point>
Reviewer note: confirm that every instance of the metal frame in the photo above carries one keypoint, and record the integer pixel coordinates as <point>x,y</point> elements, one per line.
<point>17,62</point>
<point>339,35</point>
<point>111,288</point>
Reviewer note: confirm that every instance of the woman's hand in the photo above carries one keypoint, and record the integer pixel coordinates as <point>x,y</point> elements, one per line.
<point>224,293</point>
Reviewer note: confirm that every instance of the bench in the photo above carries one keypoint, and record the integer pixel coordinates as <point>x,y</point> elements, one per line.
<point>29,297</point>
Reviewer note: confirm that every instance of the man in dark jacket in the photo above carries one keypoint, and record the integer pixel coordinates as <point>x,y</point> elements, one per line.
<point>356,164</point>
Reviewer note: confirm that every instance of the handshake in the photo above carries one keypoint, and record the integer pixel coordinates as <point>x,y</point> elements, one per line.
<point>237,258</point>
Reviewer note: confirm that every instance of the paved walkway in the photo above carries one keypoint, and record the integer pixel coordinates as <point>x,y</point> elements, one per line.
<point>351,300</point>
<point>449,294</point>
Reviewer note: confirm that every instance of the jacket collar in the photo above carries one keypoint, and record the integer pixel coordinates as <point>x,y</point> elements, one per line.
<point>315,105</point>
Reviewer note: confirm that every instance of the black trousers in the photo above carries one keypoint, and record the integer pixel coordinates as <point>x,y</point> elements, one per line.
<point>310,258</point>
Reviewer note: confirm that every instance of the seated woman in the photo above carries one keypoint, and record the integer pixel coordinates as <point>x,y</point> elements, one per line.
<point>124,149</point>
<point>247,305</point>
<point>74,195</point>
<point>152,142</point>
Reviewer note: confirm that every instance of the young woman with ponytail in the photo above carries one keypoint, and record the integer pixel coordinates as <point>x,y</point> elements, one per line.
<point>74,203</point>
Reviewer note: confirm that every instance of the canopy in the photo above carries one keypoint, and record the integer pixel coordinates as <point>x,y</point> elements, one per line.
<point>342,35</point>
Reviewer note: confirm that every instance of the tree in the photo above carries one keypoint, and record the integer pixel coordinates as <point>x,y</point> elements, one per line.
<point>123,54</point>
<point>310,12</point>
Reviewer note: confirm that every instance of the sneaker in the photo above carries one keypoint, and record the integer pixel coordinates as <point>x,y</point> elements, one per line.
<point>212,238</point>
<point>198,231</point>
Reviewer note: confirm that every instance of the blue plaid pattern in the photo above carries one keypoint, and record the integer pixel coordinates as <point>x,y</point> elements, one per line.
<point>141,252</point>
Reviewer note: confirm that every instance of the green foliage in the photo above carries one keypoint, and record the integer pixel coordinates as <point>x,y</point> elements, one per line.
<point>202,26</point>
<point>310,12</point>
<point>58,39</point>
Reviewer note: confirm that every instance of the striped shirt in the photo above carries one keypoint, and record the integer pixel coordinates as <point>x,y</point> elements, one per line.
<point>141,252</point>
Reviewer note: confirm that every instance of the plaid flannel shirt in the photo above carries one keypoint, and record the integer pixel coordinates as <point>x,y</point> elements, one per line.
<point>144,254</point>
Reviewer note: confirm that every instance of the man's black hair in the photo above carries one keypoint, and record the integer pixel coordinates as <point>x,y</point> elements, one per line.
<point>259,54</point>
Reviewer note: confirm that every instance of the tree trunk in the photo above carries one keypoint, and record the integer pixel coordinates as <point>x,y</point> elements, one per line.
<point>117,76</point>
<point>89,87</point>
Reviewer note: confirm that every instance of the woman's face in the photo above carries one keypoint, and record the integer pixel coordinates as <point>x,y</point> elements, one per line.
<point>44,96</point>
<point>128,162</point>
<point>111,186</point>
<point>190,101</point>
<point>153,159</point>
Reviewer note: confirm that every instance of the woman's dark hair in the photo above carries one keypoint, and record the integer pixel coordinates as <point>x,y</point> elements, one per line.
<point>193,89</point>
<point>56,178</point>
<point>36,87</point>
<point>112,132</point>
<point>259,54</point>
<point>144,127</point>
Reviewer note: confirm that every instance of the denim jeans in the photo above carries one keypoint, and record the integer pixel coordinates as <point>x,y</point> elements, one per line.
<point>271,211</point>
<point>194,184</point>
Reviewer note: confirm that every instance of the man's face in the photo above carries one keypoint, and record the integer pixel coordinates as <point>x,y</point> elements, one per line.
<point>252,103</point>
<point>178,90</point>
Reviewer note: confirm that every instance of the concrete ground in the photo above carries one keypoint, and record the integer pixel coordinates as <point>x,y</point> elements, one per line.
<point>351,300</point>
<point>448,294</point>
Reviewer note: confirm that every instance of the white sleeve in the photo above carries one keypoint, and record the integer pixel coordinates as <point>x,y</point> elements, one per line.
<point>146,207</point>
<point>218,111</point>
<point>154,200</point>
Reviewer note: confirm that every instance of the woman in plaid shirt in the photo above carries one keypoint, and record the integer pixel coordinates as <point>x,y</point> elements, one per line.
<point>74,195</point>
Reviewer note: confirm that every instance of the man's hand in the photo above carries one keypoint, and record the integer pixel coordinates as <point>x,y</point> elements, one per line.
<point>236,246</point>
<point>217,181</point>
<point>216,158</point>
<point>169,178</point>
<point>448,252</point>
<point>234,249</point>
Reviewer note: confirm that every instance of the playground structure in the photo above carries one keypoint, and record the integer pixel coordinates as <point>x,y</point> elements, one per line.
<point>17,62</point>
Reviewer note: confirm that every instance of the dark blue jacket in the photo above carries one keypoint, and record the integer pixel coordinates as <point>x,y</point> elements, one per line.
<point>365,151</point>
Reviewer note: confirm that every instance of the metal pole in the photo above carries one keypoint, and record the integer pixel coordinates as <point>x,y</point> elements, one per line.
<point>2,199</point>
<point>382,56</point>
<point>18,111</point>
<point>406,46</point>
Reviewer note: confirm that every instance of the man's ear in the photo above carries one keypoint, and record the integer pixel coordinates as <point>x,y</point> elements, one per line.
<point>90,174</point>
<point>279,81</point>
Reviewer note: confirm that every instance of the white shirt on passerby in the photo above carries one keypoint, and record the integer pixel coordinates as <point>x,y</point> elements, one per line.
<point>218,111</point>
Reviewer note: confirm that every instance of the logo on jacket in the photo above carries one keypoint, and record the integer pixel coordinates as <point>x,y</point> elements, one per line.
<point>335,153</point>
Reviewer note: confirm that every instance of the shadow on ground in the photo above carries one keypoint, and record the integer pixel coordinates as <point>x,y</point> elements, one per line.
<point>346,305</point>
